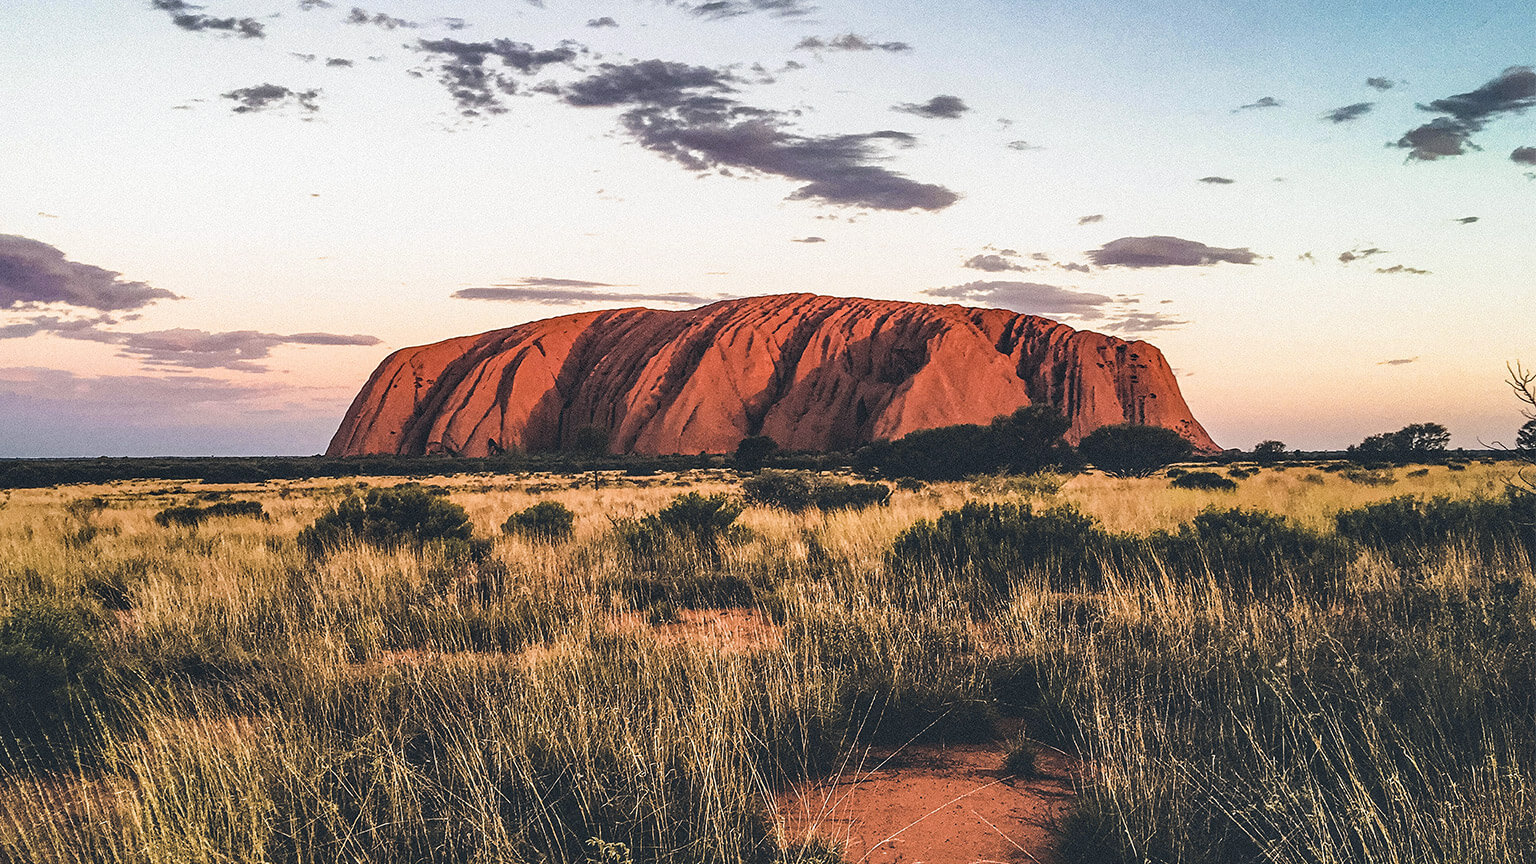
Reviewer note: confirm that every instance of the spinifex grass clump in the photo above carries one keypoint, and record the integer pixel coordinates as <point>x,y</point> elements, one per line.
<point>1000,543</point>
<point>548,521</point>
<point>394,517</point>
<point>798,491</point>
<point>193,515</point>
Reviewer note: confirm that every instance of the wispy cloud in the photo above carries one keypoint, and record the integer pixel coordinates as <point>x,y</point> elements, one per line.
<point>1378,83</point>
<point>1163,251</point>
<point>1359,254</point>
<point>850,42</point>
<point>466,70</point>
<point>1261,103</point>
<point>719,9</point>
<point>569,292</point>
<point>938,108</point>
<point>1347,113</point>
<point>189,17</point>
<point>809,240</point>
<point>388,22</point>
<point>1399,268</point>
<point>1217,181</point>
<point>1033,298</point>
<point>265,97</point>
<point>1091,219</point>
<point>1401,361</point>
<point>993,263</point>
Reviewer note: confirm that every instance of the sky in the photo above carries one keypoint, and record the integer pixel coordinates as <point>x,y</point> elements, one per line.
<point>218,217</point>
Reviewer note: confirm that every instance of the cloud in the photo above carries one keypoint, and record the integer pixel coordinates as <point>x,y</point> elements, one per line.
<point>338,61</point>
<point>1030,297</point>
<point>1401,361</point>
<point>264,97</point>
<point>992,264</point>
<point>1513,91</point>
<point>569,292</point>
<point>718,9</point>
<point>32,272</point>
<point>1145,322</point>
<point>1265,102</point>
<point>1073,266</point>
<point>809,240</point>
<point>1349,112</point>
<point>306,5</point>
<point>1523,156</point>
<point>683,113</point>
<point>1359,254</point>
<point>1466,220</point>
<point>1398,268</point>
<point>1023,146</point>
<point>388,22</point>
<point>1217,181</point>
<point>1379,83</point>
<point>850,42</point>
<point>463,68</point>
<point>1089,220</point>
<point>1162,251</point>
<point>186,16</point>
<point>605,21</point>
<point>937,108</point>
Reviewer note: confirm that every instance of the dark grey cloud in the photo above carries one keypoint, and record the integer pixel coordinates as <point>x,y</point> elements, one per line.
<point>1513,91</point>
<point>937,108</point>
<point>1466,220</point>
<point>809,240</point>
<point>569,292</point>
<point>1398,268</point>
<point>465,69</point>
<point>1359,254</point>
<point>32,272</point>
<point>1089,220</point>
<point>1401,361</point>
<point>605,21</point>
<point>338,62</point>
<point>188,17</point>
<point>992,263</point>
<point>1523,156</point>
<point>1030,297</point>
<point>380,19</point>
<point>682,112</point>
<point>1347,113</point>
<point>1023,146</point>
<point>306,5</point>
<point>718,9</point>
<point>1072,266</point>
<point>1162,251</point>
<point>1264,102</point>
<point>1379,83</point>
<point>1217,181</point>
<point>265,97</point>
<point>850,42</point>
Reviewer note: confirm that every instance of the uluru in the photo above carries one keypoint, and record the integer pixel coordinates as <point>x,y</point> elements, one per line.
<point>811,372</point>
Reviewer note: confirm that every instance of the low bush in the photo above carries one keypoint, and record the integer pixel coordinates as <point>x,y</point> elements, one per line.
<point>548,521</point>
<point>393,517</point>
<point>1207,480</point>
<point>692,523</point>
<point>192,515</point>
<point>1408,530</point>
<point>1253,553</point>
<point>798,491</point>
<point>996,543</point>
<point>51,672</point>
<point>1020,761</point>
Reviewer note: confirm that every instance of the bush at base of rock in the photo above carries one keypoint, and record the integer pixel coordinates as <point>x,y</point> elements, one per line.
<point>549,521</point>
<point>798,491</point>
<point>393,517</point>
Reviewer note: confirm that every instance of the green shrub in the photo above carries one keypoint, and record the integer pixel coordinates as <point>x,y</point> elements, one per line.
<point>1206,480</point>
<point>1133,450</point>
<point>700,524</point>
<point>393,517</point>
<point>1253,553</point>
<point>191,514</point>
<point>549,521</point>
<point>1408,529</point>
<point>1024,442</point>
<point>798,491</point>
<point>51,671</point>
<point>999,542</point>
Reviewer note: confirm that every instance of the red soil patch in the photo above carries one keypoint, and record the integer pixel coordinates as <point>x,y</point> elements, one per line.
<point>935,805</point>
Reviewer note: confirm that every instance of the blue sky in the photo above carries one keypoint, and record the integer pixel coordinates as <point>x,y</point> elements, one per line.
<point>219,217</point>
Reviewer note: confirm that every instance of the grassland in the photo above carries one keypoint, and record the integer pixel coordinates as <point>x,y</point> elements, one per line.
<point>228,697</point>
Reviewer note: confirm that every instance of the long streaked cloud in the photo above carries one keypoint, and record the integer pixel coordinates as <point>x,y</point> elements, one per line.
<point>942,107</point>
<point>719,9</point>
<point>1466,114</point>
<point>359,15</point>
<point>1396,269</point>
<point>994,262</point>
<point>850,42</point>
<point>190,17</point>
<point>550,291</point>
<point>1033,298</point>
<point>266,97</point>
<point>1358,254</point>
<point>1259,104</point>
<point>180,347</point>
<point>685,114</point>
<point>33,272</point>
<point>1214,180</point>
<point>1164,251</point>
<point>1346,113</point>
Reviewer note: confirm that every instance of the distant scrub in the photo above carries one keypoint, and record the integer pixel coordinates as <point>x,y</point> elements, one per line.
<point>549,521</point>
<point>1206,480</point>
<point>392,517</point>
<point>798,491</point>
<point>1024,442</point>
<point>192,515</point>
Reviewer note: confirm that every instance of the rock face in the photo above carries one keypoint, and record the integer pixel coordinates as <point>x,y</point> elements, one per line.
<point>813,373</point>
